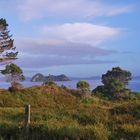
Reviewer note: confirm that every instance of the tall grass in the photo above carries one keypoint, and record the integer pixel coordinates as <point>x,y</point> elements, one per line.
<point>62,114</point>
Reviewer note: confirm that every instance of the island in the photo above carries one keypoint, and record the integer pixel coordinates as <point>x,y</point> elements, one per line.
<point>41,78</point>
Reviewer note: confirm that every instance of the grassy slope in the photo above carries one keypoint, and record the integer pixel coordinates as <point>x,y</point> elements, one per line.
<point>58,113</point>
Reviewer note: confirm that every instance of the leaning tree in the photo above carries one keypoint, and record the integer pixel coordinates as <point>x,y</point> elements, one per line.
<point>7,48</point>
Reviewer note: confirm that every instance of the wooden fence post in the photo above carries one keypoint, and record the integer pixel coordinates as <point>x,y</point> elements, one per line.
<point>27,117</point>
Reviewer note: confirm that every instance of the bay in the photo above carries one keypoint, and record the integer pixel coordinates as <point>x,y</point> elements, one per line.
<point>134,85</point>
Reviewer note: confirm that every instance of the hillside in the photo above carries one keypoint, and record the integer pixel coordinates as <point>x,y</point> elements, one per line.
<point>63,114</point>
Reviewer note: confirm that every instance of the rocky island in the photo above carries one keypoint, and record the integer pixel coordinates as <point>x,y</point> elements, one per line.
<point>41,78</point>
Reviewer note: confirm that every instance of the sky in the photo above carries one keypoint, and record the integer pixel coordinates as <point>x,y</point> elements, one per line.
<point>79,38</point>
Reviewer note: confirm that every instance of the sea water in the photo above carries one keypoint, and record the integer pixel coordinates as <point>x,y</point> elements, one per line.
<point>134,85</point>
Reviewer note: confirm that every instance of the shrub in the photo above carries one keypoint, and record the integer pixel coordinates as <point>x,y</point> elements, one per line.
<point>84,87</point>
<point>49,83</point>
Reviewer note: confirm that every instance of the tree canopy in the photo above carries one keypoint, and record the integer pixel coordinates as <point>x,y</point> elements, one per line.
<point>7,48</point>
<point>114,83</point>
<point>13,72</point>
<point>116,73</point>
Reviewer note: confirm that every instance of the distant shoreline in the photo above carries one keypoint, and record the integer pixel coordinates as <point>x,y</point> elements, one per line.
<point>134,84</point>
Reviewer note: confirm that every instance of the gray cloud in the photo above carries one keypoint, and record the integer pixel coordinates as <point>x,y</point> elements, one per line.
<point>48,61</point>
<point>34,54</point>
<point>64,49</point>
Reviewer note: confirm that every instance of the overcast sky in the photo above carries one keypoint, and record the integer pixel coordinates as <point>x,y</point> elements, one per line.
<point>75,37</point>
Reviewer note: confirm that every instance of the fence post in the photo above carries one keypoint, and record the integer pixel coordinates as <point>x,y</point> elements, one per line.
<point>27,118</point>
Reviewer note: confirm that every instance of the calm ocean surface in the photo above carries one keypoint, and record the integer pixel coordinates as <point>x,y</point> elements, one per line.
<point>134,85</point>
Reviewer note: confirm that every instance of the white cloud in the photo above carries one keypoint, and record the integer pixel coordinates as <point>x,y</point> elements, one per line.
<point>34,9</point>
<point>85,33</point>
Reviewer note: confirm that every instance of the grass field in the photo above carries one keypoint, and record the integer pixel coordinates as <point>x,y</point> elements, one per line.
<point>63,114</point>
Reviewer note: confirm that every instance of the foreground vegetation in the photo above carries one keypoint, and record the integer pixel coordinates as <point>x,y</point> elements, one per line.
<point>58,113</point>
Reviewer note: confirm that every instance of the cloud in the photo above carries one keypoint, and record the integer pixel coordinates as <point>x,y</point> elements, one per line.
<point>85,33</point>
<point>42,53</point>
<point>63,48</point>
<point>67,44</point>
<point>47,61</point>
<point>31,9</point>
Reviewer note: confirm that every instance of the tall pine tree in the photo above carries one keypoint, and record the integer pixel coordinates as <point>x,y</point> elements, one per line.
<point>7,48</point>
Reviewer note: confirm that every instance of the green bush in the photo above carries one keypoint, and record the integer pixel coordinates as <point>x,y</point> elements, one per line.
<point>50,83</point>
